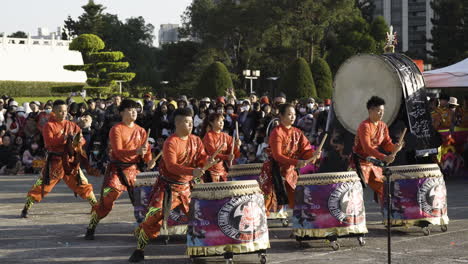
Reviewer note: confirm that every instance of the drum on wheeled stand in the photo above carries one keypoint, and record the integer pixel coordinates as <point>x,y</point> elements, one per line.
<point>418,197</point>
<point>227,218</point>
<point>329,206</point>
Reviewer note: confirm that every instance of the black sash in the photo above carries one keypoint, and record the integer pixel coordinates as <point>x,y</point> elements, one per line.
<point>167,199</point>
<point>278,183</point>
<point>123,178</point>
<point>356,157</point>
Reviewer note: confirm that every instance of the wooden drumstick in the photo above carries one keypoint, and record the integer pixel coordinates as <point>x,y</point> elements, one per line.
<point>401,139</point>
<point>319,148</point>
<point>146,140</point>
<point>209,165</point>
<point>234,142</point>
<point>157,156</point>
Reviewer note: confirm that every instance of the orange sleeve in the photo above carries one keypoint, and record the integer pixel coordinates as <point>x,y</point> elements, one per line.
<point>170,150</point>
<point>364,134</point>
<point>387,143</point>
<point>202,155</point>
<point>276,139</point>
<point>115,136</point>
<point>51,139</point>
<point>304,147</point>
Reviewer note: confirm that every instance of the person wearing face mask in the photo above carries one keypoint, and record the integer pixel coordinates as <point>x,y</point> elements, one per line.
<point>160,125</point>
<point>213,138</point>
<point>198,120</point>
<point>288,149</point>
<point>230,119</point>
<point>43,117</point>
<point>11,121</point>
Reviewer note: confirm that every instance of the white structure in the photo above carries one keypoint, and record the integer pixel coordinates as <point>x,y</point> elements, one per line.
<point>168,33</point>
<point>455,75</point>
<point>38,60</point>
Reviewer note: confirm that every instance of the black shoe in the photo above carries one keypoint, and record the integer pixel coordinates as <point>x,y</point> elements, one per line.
<point>89,234</point>
<point>137,256</point>
<point>24,213</point>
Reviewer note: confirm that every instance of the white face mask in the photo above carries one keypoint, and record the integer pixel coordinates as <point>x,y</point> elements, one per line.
<point>21,114</point>
<point>48,111</point>
<point>247,107</point>
<point>211,111</point>
<point>302,110</point>
<point>327,108</point>
<point>34,146</point>
<point>310,105</point>
<point>321,108</point>
<point>230,111</point>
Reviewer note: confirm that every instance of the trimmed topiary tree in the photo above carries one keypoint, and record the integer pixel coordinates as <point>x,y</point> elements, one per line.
<point>322,78</point>
<point>102,68</point>
<point>214,82</point>
<point>298,82</point>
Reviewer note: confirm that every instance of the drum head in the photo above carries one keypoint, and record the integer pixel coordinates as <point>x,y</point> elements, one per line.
<point>359,78</point>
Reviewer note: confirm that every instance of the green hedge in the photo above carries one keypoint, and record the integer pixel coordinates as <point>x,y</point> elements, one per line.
<point>26,89</point>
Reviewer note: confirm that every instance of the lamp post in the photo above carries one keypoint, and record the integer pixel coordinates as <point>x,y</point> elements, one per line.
<point>251,75</point>
<point>164,84</point>
<point>120,85</point>
<point>272,90</point>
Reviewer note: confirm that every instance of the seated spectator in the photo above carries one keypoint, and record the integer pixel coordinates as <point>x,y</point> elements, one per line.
<point>9,161</point>
<point>31,155</point>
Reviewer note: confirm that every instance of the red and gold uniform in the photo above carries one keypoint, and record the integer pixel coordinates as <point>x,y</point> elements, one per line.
<point>442,119</point>
<point>212,142</point>
<point>59,165</point>
<point>287,147</point>
<point>124,141</point>
<point>180,158</point>
<point>369,138</point>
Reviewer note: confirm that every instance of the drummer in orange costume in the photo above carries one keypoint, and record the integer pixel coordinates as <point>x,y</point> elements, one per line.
<point>213,139</point>
<point>373,133</point>
<point>289,149</point>
<point>182,162</point>
<point>128,146</point>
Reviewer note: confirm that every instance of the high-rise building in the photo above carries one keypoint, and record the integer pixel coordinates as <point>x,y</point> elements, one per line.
<point>168,33</point>
<point>411,19</point>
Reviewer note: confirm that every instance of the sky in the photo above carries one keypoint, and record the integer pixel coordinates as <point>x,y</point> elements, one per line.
<point>28,15</point>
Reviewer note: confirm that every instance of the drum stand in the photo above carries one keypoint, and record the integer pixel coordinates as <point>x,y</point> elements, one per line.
<point>388,174</point>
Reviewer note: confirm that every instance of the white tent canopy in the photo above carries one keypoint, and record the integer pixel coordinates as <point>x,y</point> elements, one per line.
<point>455,75</point>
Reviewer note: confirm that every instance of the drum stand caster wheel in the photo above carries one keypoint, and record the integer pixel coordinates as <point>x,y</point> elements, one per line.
<point>443,228</point>
<point>285,222</point>
<point>426,231</point>
<point>263,259</point>
<point>335,245</point>
<point>361,241</point>
<point>166,240</point>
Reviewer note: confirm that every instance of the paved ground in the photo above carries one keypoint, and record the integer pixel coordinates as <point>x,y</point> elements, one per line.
<point>54,234</point>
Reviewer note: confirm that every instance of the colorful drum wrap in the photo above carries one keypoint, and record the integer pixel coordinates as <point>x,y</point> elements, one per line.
<point>227,217</point>
<point>177,221</point>
<point>328,204</point>
<point>245,172</point>
<point>418,195</point>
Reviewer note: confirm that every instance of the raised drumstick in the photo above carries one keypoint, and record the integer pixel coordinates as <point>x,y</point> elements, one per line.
<point>319,148</point>
<point>234,142</point>
<point>209,165</point>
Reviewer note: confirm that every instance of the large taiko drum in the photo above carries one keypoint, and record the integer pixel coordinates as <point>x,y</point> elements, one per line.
<point>177,220</point>
<point>329,204</point>
<point>245,172</point>
<point>419,196</point>
<point>227,217</point>
<point>362,76</point>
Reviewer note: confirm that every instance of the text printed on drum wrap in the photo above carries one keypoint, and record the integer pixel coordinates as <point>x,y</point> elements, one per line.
<point>234,142</point>
<point>320,147</point>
